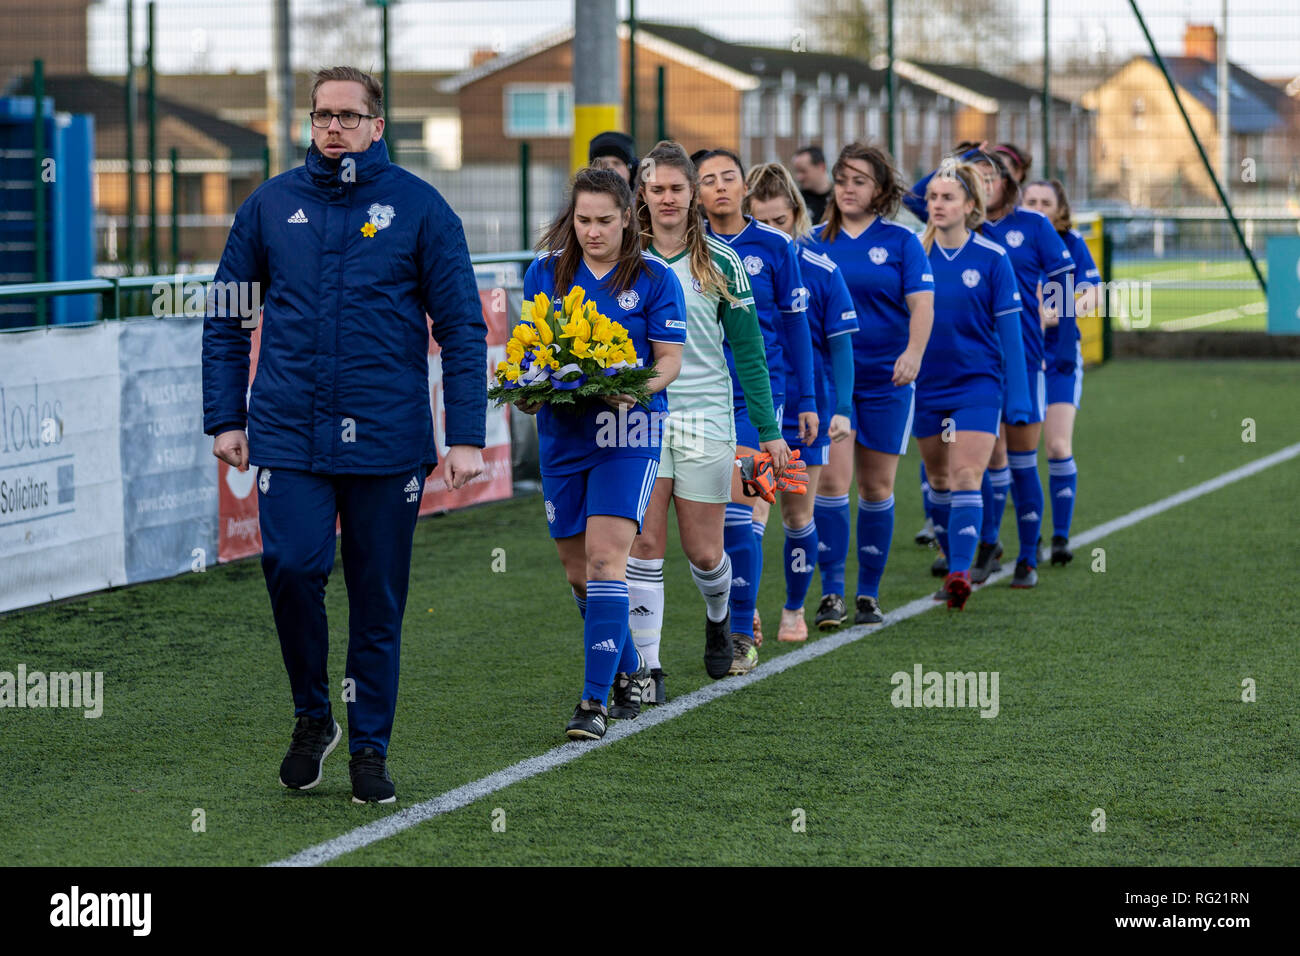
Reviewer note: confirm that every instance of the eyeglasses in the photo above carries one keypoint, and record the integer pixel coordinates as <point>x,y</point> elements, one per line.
<point>323,118</point>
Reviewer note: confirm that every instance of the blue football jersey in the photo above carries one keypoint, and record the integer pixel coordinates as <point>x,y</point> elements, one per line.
<point>830,313</point>
<point>1037,255</point>
<point>652,310</point>
<point>771,259</point>
<point>975,343</point>
<point>881,266</point>
<point>1085,271</point>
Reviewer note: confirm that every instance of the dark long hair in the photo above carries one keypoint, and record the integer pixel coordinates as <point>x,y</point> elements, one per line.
<point>561,240</point>
<point>666,153</point>
<point>889,186</point>
<point>1063,221</point>
<point>1010,185</point>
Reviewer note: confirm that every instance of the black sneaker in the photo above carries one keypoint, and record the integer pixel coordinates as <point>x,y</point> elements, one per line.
<point>941,594</point>
<point>986,562</point>
<point>1025,576</point>
<point>939,568</point>
<point>1061,553</point>
<point>1040,550</point>
<point>313,740</point>
<point>718,649</point>
<point>652,688</point>
<point>627,692</point>
<point>370,780</point>
<point>868,611</point>
<point>832,612</point>
<point>588,721</point>
<point>926,537</point>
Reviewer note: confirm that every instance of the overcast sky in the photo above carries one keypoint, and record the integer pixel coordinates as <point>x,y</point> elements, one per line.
<point>1263,35</point>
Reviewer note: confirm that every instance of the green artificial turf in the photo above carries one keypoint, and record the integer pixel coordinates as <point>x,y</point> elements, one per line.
<point>1118,690</point>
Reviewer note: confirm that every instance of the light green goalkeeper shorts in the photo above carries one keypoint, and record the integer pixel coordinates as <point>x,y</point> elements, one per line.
<point>699,467</point>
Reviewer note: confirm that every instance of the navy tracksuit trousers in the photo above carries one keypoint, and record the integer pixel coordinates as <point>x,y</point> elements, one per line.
<point>297,511</point>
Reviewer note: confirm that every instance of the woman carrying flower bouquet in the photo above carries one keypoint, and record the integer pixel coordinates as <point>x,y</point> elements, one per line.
<point>697,462</point>
<point>599,456</point>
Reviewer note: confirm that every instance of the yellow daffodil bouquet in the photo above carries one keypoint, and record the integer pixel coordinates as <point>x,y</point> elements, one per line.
<point>562,358</point>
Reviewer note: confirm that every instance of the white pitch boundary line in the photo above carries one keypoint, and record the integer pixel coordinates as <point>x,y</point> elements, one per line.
<point>1214,318</point>
<point>533,766</point>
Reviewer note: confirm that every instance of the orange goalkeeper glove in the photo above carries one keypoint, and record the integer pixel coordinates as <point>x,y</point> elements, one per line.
<point>794,476</point>
<point>757,477</point>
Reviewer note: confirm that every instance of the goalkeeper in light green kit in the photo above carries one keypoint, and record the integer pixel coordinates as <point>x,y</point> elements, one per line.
<point>697,458</point>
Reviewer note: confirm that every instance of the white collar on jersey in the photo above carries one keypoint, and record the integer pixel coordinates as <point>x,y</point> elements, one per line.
<point>956,252</point>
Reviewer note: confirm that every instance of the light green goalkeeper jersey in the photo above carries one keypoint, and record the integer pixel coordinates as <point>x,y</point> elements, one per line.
<point>700,398</point>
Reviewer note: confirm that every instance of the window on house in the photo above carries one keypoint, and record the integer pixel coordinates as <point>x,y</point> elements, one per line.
<point>539,109</point>
<point>1139,112</point>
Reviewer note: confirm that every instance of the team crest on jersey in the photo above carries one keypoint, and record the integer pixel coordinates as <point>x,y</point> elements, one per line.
<point>550,512</point>
<point>264,479</point>
<point>753,265</point>
<point>1014,238</point>
<point>381,217</point>
<point>695,284</point>
<point>878,255</point>
<point>628,300</point>
<point>971,278</point>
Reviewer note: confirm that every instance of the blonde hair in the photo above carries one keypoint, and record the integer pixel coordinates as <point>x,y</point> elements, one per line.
<point>668,153</point>
<point>969,179</point>
<point>773,181</point>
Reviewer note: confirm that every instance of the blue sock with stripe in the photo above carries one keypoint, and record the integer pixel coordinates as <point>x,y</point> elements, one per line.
<point>759,531</point>
<point>739,542</point>
<point>800,555</point>
<point>964,520</point>
<point>940,505</point>
<point>831,515</point>
<point>1027,495</point>
<point>875,532</point>
<point>1062,483</point>
<point>604,632</point>
<point>997,482</point>
<point>925,493</point>
<point>581,602</point>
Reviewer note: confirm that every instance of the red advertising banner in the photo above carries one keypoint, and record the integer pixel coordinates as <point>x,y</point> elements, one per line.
<point>239,536</point>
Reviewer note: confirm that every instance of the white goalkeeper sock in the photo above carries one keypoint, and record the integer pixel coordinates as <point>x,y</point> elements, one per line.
<point>645,598</point>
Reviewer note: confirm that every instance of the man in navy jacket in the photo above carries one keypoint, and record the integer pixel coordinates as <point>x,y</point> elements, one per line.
<point>347,254</point>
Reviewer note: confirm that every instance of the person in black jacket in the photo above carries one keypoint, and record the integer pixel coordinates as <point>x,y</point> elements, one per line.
<point>348,254</point>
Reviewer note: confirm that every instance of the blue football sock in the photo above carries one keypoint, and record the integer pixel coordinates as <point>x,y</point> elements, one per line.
<point>800,552</point>
<point>940,505</point>
<point>759,531</point>
<point>628,656</point>
<point>875,532</point>
<point>1063,483</point>
<point>831,515</point>
<point>997,481</point>
<point>581,602</point>
<point>740,544</point>
<point>967,512</point>
<point>925,493</point>
<point>1027,492</point>
<point>604,632</point>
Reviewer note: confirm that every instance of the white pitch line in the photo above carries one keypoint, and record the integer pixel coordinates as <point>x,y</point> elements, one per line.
<point>1213,318</point>
<point>464,795</point>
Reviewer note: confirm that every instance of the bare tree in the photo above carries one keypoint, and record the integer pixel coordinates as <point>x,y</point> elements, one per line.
<point>335,32</point>
<point>983,33</point>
